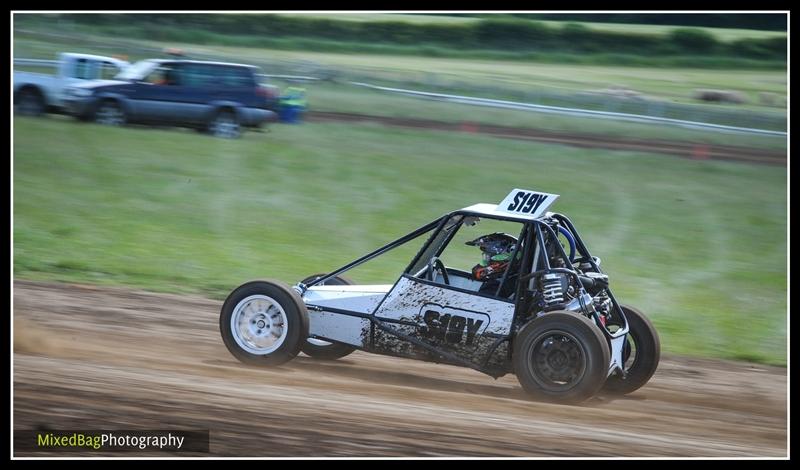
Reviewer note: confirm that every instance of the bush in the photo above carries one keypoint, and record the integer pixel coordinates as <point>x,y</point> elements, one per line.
<point>693,40</point>
<point>771,48</point>
<point>513,33</point>
<point>492,35</point>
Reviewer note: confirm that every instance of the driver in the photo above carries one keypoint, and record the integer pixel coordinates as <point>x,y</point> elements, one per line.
<point>496,249</point>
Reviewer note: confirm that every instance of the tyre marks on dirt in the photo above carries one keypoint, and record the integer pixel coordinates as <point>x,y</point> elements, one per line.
<point>114,358</point>
<point>694,151</point>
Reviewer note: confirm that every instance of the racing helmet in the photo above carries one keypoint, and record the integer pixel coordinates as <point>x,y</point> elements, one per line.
<point>496,249</point>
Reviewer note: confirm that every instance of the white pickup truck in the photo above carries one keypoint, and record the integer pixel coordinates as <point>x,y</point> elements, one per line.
<point>35,93</point>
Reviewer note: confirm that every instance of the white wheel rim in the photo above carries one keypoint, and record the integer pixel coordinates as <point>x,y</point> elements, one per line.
<point>259,325</point>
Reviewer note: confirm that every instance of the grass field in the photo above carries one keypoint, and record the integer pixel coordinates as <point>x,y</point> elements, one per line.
<point>349,99</point>
<point>721,34</point>
<point>675,84</point>
<point>670,85</point>
<point>699,245</point>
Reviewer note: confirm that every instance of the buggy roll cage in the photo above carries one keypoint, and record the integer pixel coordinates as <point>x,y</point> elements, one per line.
<point>532,229</point>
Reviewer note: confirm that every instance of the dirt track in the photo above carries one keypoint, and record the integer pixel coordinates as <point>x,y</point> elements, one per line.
<point>99,358</point>
<point>680,149</point>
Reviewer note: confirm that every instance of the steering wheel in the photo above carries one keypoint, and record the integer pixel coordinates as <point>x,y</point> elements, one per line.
<point>436,264</point>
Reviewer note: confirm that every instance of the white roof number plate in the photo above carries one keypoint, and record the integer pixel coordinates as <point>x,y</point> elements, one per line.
<point>527,203</point>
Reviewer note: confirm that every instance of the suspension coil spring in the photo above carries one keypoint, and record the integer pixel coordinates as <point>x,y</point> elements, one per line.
<point>552,291</point>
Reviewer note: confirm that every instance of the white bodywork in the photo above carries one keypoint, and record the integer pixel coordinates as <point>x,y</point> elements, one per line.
<point>410,298</point>
<point>617,345</point>
<point>68,73</point>
<point>343,328</point>
<point>404,303</point>
<point>362,299</point>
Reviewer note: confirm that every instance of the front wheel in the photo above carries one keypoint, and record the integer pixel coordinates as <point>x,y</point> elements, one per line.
<point>30,102</point>
<point>263,323</point>
<point>320,349</point>
<point>224,124</point>
<point>562,357</point>
<point>641,354</point>
<point>109,113</point>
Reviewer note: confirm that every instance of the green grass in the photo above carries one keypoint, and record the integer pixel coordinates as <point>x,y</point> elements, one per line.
<point>673,83</point>
<point>422,48</point>
<point>406,18</point>
<point>339,98</point>
<point>699,245</point>
<point>721,34</point>
<point>670,83</point>
<point>345,98</point>
<point>522,80</point>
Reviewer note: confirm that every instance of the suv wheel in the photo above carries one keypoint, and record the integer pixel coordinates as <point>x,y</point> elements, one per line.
<point>225,125</point>
<point>110,114</point>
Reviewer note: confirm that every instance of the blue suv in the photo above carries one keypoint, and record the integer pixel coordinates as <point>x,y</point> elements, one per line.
<point>217,97</point>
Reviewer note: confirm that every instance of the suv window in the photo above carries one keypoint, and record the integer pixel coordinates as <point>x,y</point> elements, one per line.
<point>166,74</point>
<point>199,75</point>
<point>108,71</point>
<point>236,77</point>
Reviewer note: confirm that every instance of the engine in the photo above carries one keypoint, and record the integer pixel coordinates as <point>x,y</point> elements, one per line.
<point>560,289</point>
<point>569,284</point>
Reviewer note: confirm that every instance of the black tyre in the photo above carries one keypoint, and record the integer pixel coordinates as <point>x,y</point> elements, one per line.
<point>30,102</point>
<point>641,354</point>
<point>317,348</point>
<point>562,357</point>
<point>264,323</point>
<point>110,113</point>
<point>225,124</point>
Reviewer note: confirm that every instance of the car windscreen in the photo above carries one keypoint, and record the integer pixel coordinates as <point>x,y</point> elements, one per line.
<point>138,70</point>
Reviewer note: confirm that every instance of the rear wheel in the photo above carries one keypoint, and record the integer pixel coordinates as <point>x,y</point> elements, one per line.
<point>562,357</point>
<point>224,124</point>
<point>640,355</point>
<point>320,349</point>
<point>263,323</point>
<point>30,102</point>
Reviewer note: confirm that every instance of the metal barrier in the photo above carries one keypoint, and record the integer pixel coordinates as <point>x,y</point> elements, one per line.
<point>36,62</point>
<point>567,111</point>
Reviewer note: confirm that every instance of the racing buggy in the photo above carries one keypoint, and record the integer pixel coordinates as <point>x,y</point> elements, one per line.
<point>536,304</point>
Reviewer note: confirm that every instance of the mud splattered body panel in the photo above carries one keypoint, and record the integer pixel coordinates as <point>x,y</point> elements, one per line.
<point>468,325</point>
<point>465,324</point>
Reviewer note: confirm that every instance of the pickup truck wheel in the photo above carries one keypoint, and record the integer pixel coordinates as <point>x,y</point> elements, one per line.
<point>320,349</point>
<point>110,114</point>
<point>561,357</point>
<point>263,323</point>
<point>225,125</point>
<point>30,102</point>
